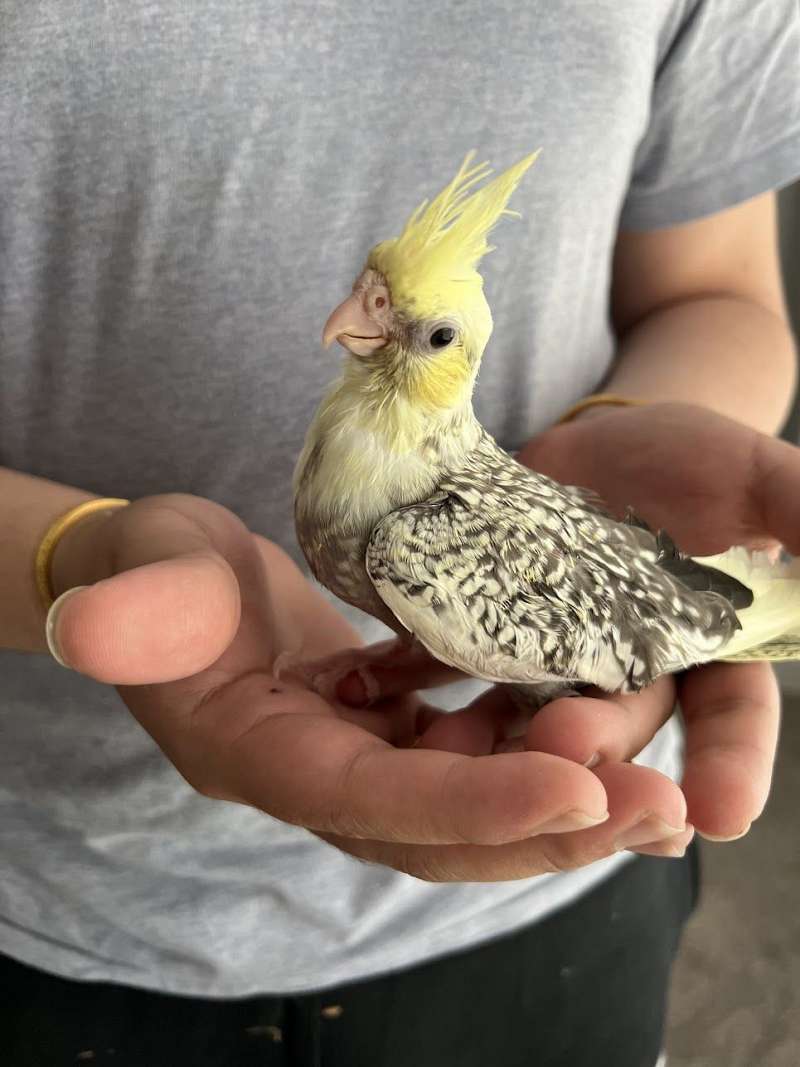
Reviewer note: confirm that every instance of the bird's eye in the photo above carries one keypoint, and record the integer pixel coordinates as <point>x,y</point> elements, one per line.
<point>442,336</point>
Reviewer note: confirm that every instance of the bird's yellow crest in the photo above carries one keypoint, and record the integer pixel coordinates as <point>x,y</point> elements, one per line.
<point>435,258</point>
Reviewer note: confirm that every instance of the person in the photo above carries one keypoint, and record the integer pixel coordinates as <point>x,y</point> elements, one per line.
<point>201,863</point>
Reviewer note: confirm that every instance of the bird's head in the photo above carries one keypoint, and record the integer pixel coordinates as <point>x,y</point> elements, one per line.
<point>417,321</point>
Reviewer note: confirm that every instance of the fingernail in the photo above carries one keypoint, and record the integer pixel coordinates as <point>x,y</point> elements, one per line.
<point>51,625</point>
<point>731,837</point>
<point>592,761</point>
<point>357,689</point>
<point>674,849</point>
<point>670,847</point>
<point>662,850</point>
<point>649,829</point>
<point>571,820</point>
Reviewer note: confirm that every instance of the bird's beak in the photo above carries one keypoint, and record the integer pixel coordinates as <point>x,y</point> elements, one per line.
<point>353,328</point>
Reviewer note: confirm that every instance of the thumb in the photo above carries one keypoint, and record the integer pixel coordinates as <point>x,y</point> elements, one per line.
<point>156,623</point>
<point>168,617</point>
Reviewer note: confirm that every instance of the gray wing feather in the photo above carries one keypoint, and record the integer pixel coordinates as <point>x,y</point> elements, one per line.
<point>512,577</point>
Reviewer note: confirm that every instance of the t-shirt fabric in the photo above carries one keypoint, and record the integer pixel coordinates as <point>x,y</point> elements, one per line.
<point>186,191</point>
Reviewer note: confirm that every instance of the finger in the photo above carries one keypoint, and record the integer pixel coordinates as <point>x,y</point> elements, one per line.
<point>154,623</point>
<point>285,751</point>
<point>602,727</point>
<point>176,573</point>
<point>586,730</point>
<point>732,713</point>
<point>644,805</point>
<point>398,720</point>
<point>476,730</point>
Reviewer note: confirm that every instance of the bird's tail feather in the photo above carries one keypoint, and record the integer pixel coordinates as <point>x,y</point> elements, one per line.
<point>771,625</point>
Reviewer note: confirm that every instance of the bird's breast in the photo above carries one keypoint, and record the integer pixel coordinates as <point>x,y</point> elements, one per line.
<point>345,484</point>
<point>355,479</point>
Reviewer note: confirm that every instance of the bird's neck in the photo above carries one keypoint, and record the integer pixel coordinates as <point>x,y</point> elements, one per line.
<point>364,401</point>
<point>367,453</point>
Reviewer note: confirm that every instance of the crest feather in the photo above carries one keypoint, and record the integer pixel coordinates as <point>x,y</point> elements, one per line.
<point>444,241</point>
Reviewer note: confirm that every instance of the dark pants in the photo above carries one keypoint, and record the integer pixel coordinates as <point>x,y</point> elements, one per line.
<point>587,986</point>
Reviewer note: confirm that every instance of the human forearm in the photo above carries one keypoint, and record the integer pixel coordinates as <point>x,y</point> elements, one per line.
<point>724,353</point>
<point>29,506</point>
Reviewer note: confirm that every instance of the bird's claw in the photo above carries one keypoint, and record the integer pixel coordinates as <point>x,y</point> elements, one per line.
<point>323,676</point>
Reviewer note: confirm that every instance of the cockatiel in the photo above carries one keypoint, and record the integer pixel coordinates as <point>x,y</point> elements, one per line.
<point>408,509</point>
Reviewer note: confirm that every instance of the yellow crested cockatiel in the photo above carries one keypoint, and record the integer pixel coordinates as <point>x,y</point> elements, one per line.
<point>407,508</point>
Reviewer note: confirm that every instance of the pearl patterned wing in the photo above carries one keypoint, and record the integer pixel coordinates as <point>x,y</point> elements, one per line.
<point>512,577</point>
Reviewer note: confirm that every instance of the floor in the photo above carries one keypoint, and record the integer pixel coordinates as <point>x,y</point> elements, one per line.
<point>736,990</point>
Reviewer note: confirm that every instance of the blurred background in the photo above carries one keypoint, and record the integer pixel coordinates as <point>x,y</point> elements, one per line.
<point>736,990</point>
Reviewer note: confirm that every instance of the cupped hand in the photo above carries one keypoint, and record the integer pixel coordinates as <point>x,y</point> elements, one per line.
<point>176,603</point>
<point>712,483</point>
<point>709,481</point>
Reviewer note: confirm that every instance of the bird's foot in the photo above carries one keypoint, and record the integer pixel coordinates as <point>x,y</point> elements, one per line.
<point>530,698</point>
<point>323,676</point>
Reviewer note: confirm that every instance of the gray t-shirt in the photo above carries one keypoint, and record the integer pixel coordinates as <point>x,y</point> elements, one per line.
<point>186,190</point>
